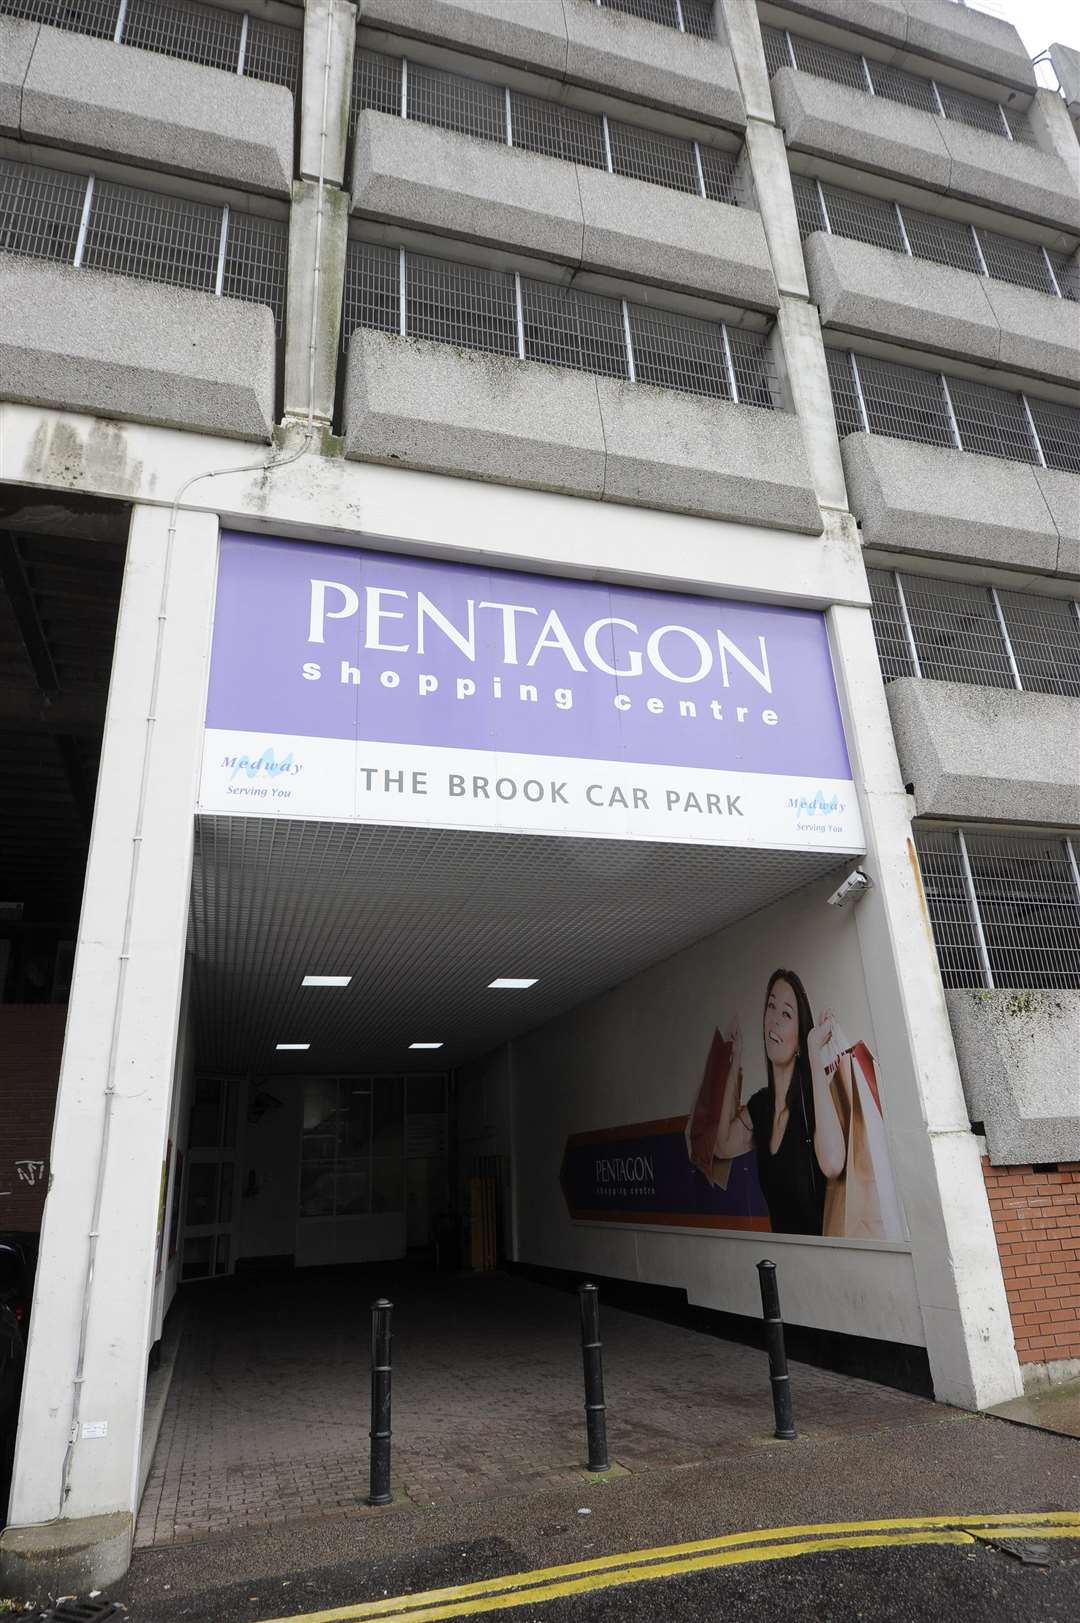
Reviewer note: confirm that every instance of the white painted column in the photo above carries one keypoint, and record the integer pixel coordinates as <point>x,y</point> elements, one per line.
<point>121,1036</point>
<point>958,1274</point>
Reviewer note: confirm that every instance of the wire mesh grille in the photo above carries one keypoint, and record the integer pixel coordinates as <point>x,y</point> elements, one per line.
<point>786,50</point>
<point>690,16</point>
<point>511,118</point>
<point>132,232</point>
<point>908,403</point>
<point>1023,898</point>
<point>958,636</point>
<point>179,28</point>
<point>477,309</point>
<point>875,220</point>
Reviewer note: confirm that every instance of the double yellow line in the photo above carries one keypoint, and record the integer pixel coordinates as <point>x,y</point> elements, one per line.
<point>676,1560</point>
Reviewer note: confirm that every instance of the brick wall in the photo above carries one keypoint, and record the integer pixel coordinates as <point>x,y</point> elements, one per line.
<point>31,1040</point>
<point>1037,1222</point>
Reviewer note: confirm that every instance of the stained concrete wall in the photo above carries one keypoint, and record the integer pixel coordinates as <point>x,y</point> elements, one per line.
<point>82,340</point>
<point>935,28</point>
<point>414,174</point>
<point>97,97</point>
<point>581,43</point>
<point>987,753</point>
<point>955,504</point>
<point>1017,1053</point>
<point>865,289</point>
<point>446,410</point>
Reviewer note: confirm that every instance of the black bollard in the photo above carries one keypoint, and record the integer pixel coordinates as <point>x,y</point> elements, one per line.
<point>774,1337</point>
<point>592,1357</point>
<point>380,1403</point>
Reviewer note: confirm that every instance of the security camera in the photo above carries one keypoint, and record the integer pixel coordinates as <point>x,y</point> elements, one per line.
<point>855,885</point>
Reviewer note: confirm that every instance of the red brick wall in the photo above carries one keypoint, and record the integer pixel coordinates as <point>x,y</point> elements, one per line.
<point>31,1040</point>
<point>1037,1222</point>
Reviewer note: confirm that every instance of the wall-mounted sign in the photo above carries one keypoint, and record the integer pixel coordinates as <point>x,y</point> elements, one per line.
<point>383,688</point>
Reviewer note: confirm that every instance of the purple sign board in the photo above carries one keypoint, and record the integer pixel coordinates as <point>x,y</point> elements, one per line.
<point>381,687</point>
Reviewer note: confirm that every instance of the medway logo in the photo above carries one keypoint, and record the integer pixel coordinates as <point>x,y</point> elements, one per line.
<point>817,807</point>
<point>264,765</point>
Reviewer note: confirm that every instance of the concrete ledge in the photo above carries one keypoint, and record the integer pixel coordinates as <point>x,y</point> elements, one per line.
<point>463,412</point>
<point>674,239</point>
<point>81,340</point>
<point>1017,1052</point>
<point>649,63</point>
<point>1040,335</point>
<point>1009,175</point>
<point>413,173</point>
<point>1061,493</point>
<point>455,411</point>
<point>689,454</point>
<point>959,34</point>
<point>948,504</point>
<point>94,96</point>
<point>532,35</point>
<point>864,289</point>
<point>987,753</point>
<point>65,1557</point>
<point>865,131</point>
<point>17,41</point>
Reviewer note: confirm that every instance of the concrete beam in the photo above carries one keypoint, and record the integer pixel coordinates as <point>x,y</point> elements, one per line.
<point>313,310</point>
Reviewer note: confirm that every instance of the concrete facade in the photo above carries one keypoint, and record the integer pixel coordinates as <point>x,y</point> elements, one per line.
<point>1017,1052</point>
<point>976,41</point>
<point>86,341</point>
<point>986,753</point>
<point>89,95</point>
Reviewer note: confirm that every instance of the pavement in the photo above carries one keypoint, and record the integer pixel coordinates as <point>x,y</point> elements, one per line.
<point>1051,1408</point>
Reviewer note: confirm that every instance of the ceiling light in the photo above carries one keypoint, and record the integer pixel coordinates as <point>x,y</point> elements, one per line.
<point>509,983</point>
<point>326,980</point>
<point>298,1047</point>
<point>425,1045</point>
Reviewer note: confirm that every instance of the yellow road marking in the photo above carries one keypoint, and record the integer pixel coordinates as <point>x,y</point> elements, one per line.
<point>636,1566</point>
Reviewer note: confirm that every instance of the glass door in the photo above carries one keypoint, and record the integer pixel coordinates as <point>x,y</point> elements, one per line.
<point>210,1179</point>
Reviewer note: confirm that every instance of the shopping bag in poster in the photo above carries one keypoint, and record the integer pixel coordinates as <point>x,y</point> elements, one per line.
<point>862,1203</point>
<point>704,1119</point>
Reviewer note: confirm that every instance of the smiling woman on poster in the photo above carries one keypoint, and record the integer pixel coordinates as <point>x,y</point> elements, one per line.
<point>815,1128</point>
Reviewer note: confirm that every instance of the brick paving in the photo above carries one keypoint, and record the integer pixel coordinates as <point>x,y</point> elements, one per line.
<point>267,1417</point>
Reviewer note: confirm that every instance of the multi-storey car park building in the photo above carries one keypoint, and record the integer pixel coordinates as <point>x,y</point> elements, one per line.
<point>541,490</point>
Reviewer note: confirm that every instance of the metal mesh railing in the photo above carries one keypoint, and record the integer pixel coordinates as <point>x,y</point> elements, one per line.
<point>1004,907</point>
<point>688,16</point>
<point>411,294</point>
<point>229,40</point>
<point>98,224</point>
<point>954,631</point>
<point>909,403</point>
<point>487,112</point>
<point>841,212</point>
<point>872,78</point>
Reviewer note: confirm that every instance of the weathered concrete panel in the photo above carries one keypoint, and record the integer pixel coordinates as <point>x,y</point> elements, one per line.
<point>987,753</point>
<point>948,504</point>
<point>459,411</point>
<point>867,131</point>
<point>181,116</point>
<point>969,37</point>
<point>1009,175</point>
<point>635,58</point>
<point>865,289</point>
<point>17,41</point>
<point>674,239</point>
<point>1039,334</point>
<point>1061,493</point>
<point>692,454</point>
<point>416,174</point>
<point>533,35</point>
<point>81,340</point>
<point>1017,1053</point>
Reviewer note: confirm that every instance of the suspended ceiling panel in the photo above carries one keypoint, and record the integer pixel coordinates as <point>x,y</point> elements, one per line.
<point>423,919</point>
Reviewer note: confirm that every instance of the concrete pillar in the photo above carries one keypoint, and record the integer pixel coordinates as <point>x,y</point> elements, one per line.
<point>313,317</point>
<point>118,1059</point>
<point>962,1297</point>
<point>1053,128</point>
<point>326,23</point>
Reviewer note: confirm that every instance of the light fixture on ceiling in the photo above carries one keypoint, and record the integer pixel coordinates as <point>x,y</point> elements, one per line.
<point>425,1045</point>
<point>326,980</point>
<point>511,983</point>
<point>299,1048</point>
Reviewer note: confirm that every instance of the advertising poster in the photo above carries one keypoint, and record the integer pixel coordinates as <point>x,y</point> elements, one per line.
<point>782,1126</point>
<point>377,687</point>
